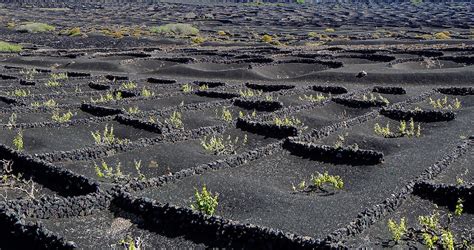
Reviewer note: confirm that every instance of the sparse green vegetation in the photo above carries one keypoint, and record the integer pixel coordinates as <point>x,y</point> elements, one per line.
<point>29,74</point>
<point>51,103</point>
<point>403,130</point>
<point>320,182</point>
<point>175,29</point>
<point>267,38</point>
<point>12,120</point>
<point>129,243</point>
<point>444,35</point>
<point>147,93</point>
<point>132,110</point>
<point>459,207</point>
<point>371,97</point>
<point>107,137</point>
<point>128,85</point>
<point>287,121</point>
<point>72,32</point>
<point>221,145</point>
<point>445,104</point>
<point>61,118</point>
<point>205,201</point>
<point>203,87</point>
<point>105,171</point>
<point>35,28</point>
<point>10,47</point>
<point>250,93</point>
<point>224,114</point>
<point>175,120</point>
<point>20,92</point>
<point>198,39</point>
<point>186,88</point>
<point>313,98</point>
<point>108,97</point>
<point>397,230</point>
<point>18,141</point>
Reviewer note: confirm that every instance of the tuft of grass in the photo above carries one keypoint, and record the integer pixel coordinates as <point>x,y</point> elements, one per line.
<point>10,47</point>
<point>397,230</point>
<point>205,201</point>
<point>35,28</point>
<point>18,141</point>
<point>175,29</point>
<point>61,118</point>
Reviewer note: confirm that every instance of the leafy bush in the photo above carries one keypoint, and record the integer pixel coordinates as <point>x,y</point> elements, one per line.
<point>147,93</point>
<point>35,28</point>
<point>107,137</point>
<point>175,29</point>
<point>106,171</point>
<point>459,207</point>
<point>319,180</point>
<point>186,88</point>
<point>224,115</point>
<point>204,201</point>
<point>267,38</point>
<point>10,47</point>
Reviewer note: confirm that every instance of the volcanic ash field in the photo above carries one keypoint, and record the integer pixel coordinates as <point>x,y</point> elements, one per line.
<point>261,126</point>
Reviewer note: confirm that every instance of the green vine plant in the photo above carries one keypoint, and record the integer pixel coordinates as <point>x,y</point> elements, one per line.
<point>371,97</point>
<point>412,130</point>
<point>205,201</point>
<point>29,74</point>
<point>55,79</point>
<point>12,121</point>
<point>147,93</point>
<point>431,233</point>
<point>250,93</point>
<point>16,182</point>
<point>460,177</point>
<point>51,103</point>
<point>459,207</point>
<point>251,115</point>
<point>320,182</point>
<point>20,93</point>
<point>204,87</point>
<point>397,230</point>
<point>128,86</point>
<point>340,141</point>
<point>130,243</point>
<point>288,121</point>
<point>18,141</point>
<point>224,114</point>
<point>131,110</point>
<point>107,171</point>
<point>221,145</point>
<point>53,83</point>
<point>175,120</point>
<point>107,137</point>
<point>445,104</point>
<point>313,98</point>
<point>187,88</point>
<point>108,97</point>
<point>62,118</point>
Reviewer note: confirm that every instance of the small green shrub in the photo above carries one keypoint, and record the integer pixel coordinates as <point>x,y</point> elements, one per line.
<point>175,120</point>
<point>444,35</point>
<point>58,76</point>
<point>383,131</point>
<point>18,141</point>
<point>205,202</point>
<point>459,207</point>
<point>203,87</point>
<point>220,145</point>
<point>445,104</point>
<point>10,47</point>
<point>447,240</point>
<point>29,74</point>
<point>12,120</point>
<point>35,28</point>
<point>51,103</point>
<point>128,85</point>
<point>287,121</point>
<point>397,230</point>
<point>267,38</point>
<point>313,98</point>
<point>372,97</point>
<point>61,118</point>
<point>186,88</point>
<point>147,93</point>
<point>20,92</point>
<point>108,97</point>
<point>52,83</point>
<point>107,137</point>
<point>319,180</point>
<point>224,114</point>
<point>175,29</point>
<point>132,110</point>
<point>198,39</point>
<point>411,131</point>
<point>105,171</point>
<point>129,243</point>
<point>72,32</point>
<point>250,93</point>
